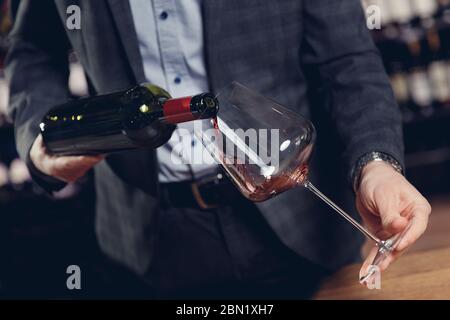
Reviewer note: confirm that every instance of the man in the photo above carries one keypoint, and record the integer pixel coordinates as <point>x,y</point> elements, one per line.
<point>148,218</point>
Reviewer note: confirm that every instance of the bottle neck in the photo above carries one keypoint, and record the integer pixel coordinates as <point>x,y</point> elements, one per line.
<point>201,106</point>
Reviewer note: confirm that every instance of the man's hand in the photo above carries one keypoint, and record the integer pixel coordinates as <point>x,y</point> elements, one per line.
<point>387,203</point>
<point>67,168</point>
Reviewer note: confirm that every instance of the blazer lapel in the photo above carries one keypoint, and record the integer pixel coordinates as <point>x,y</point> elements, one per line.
<point>123,18</point>
<point>211,11</point>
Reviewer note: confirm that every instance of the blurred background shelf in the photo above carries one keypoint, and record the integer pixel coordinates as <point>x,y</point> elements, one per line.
<point>414,42</point>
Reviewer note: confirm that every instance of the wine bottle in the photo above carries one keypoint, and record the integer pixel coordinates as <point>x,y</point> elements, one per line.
<point>412,35</point>
<point>404,59</point>
<point>4,176</point>
<point>386,38</point>
<point>400,12</point>
<point>442,17</point>
<point>144,116</point>
<point>438,69</point>
<point>424,12</point>
<point>18,173</point>
<point>432,50</point>
<point>419,82</point>
<point>399,83</point>
<point>395,19</point>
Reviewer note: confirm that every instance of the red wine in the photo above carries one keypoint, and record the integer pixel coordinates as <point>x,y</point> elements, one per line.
<point>257,188</point>
<point>141,117</point>
<point>254,185</point>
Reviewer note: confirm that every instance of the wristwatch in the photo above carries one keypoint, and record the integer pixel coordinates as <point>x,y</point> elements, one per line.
<point>369,157</point>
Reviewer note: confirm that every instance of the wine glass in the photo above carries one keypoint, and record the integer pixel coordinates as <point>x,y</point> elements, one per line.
<point>265,148</point>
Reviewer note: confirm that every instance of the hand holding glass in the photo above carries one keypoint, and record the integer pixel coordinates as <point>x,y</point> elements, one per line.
<point>265,149</point>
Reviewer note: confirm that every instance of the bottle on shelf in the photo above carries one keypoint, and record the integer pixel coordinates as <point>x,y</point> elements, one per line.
<point>419,82</point>
<point>424,12</point>
<point>411,39</point>
<point>438,70</point>
<point>4,177</point>
<point>433,54</point>
<point>144,116</point>
<point>78,86</point>
<point>399,82</point>
<point>18,174</point>
<point>402,52</point>
<point>442,18</point>
<point>386,38</point>
<point>395,23</point>
<point>443,9</point>
<point>401,12</point>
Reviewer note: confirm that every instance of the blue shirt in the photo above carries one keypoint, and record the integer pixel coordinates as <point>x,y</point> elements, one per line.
<point>170,36</point>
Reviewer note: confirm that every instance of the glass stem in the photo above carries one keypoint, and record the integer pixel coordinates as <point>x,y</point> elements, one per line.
<point>308,185</point>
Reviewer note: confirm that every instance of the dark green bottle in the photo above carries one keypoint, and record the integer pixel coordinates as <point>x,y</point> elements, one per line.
<point>144,116</point>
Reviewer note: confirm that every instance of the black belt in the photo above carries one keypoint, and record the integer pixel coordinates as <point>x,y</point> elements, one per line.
<point>206,193</point>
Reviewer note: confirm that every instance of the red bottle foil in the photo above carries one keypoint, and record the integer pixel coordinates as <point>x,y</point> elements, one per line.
<point>178,110</point>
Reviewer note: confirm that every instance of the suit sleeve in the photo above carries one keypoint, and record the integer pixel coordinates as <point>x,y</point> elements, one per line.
<point>337,47</point>
<point>37,72</point>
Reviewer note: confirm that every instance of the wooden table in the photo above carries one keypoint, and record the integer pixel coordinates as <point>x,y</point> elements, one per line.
<point>419,275</point>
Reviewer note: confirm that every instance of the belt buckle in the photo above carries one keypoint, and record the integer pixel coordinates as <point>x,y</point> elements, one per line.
<point>198,195</point>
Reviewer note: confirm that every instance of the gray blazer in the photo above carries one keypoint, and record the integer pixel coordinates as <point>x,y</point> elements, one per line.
<point>314,56</point>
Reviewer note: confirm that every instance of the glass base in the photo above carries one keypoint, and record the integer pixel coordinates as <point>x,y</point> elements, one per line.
<point>385,249</point>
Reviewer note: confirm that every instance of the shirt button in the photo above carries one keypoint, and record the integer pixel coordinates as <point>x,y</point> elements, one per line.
<point>177,80</point>
<point>163,15</point>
